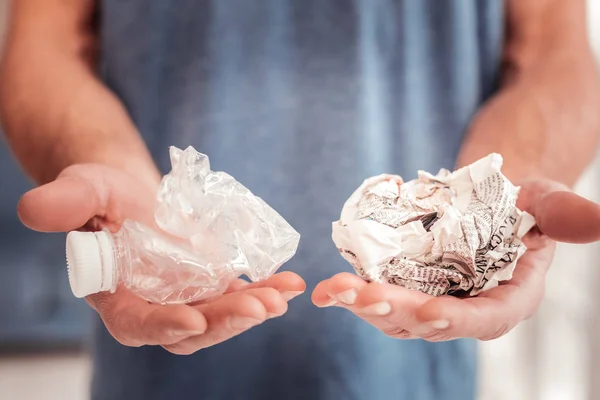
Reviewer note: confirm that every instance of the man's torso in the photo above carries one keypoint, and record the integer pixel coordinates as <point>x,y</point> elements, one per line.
<point>301,101</point>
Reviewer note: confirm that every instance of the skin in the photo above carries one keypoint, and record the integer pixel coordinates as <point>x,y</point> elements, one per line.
<point>75,139</point>
<point>94,196</point>
<point>545,122</point>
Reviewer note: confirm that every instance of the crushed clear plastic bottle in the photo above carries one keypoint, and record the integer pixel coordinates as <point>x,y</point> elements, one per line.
<point>214,230</point>
<point>146,263</point>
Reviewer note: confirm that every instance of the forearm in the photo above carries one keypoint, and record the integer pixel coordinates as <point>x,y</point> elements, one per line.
<point>544,125</point>
<point>69,119</point>
<point>56,112</point>
<point>545,121</point>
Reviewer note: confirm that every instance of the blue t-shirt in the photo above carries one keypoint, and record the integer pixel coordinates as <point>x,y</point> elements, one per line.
<point>301,100</point>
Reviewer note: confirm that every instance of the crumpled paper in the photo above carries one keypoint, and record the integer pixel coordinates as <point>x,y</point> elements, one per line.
<point>454,232</point>
<point>234,230</point>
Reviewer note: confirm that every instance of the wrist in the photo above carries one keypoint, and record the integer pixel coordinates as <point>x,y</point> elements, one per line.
<point>521,172</point>
<point>515,168</point>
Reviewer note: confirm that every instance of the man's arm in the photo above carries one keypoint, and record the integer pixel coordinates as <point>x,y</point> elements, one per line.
<point>57,114</point>
<point>54,109</point>
<point>545,120</point>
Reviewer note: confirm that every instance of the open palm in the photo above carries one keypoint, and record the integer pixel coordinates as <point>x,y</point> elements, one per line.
<point>95,196</point>
<point>402,313</point>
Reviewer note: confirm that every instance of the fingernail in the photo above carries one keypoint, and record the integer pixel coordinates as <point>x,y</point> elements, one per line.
<point>183,333</point>
<point>377,309</point>
<point>331,303</point>
<point>439,324</point>
<point>273,315</point>
<point>291,294</point>
<point>347,297</point>
<point>243,322</point>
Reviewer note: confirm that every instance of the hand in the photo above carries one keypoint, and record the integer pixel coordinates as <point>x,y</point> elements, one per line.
<point>94,196</point>
<point>405,314</point>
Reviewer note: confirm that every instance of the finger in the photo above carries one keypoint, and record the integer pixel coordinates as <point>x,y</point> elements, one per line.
<point>82,192</point>
<point>390,308</point>
<point>135,322</point>
<point>274,302</point>
<point>342,288</point>
<point>236,285</point>
<point>65,204</point>
<point>231,315</point>
<point>287,283</point>
<point>567,217</point>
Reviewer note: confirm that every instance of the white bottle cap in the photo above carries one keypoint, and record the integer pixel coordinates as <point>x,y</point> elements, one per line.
<point>90,262</point>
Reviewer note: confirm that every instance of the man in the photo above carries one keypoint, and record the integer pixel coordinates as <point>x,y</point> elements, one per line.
<point>301,101</point>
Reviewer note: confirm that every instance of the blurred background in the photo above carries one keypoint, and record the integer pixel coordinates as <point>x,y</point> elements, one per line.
<point>555,355</point>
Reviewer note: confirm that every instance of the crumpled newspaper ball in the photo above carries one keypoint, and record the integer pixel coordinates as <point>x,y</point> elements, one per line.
<point>450,233</point>
<point>236,231</point>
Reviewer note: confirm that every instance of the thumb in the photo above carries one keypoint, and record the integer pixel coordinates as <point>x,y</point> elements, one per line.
<point>62,205</point>
<point>82,192</point>
<point>567,217</point>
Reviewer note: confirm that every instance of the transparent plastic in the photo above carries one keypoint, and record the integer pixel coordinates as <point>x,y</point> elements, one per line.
<point>146,263</point>
<point>215,230</point>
